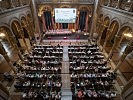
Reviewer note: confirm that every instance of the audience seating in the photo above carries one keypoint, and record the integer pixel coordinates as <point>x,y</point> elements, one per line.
<point>91,78</point>
<point>39,76</point>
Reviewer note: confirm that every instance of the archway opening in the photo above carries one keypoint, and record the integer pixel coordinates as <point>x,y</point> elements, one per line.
<point>104,30</point>
<point>113,29</point>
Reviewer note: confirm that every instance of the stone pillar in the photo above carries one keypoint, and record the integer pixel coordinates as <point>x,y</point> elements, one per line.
<point>4,89</point>
<point>117,39</point>
<point>12,4</point>
<point>109,3</point>
<point>102,2</point>
<point>4,53</point>
<point>28,30</point>
<point>94,17</point>
<point>10,40</point>
<point>99,26</point>
<point>22,36</point>
<point>17,49</point>
<point>128,50</point>
<point>118,44</point>
<point>119,4</point>
<point>106,39</point>
<point>21,3</point>
<point>131,7</point>
<point>36,20</point>
<point>101,31</point>
<point>42,37</point>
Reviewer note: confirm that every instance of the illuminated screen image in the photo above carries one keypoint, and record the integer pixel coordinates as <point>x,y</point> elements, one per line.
<point>65,15</point>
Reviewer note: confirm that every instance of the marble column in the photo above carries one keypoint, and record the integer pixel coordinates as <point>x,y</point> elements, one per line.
<point>106,39</point>
<point>36,20</point>
<point>109,3</point>
<point>21,3</point>
<point>10,40</point>
<point>22,36</point>
<point>17,49</point>
<point>101,31</point>
<point>127,50</point>
<point>116,40</point>
<point>119,4</point>
<point>12,4</point>
<point>131,7</point>
<point>4,54</point>
<point>4,89</point>
<point>28,30</point>
<point>118,44</point>
<point>94,18</point>
<point>99,26</point>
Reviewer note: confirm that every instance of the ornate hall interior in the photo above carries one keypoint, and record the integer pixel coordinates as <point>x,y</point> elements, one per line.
<point>44,56</point>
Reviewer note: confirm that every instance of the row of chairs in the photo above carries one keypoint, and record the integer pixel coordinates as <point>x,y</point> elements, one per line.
<point>91,78</point>
<point>41,72</point>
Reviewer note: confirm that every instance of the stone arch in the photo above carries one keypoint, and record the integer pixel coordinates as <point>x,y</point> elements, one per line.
<point>30,23</point>
<point>105,26</point>
<point>23,21</point>
<point>25,27</point>
<point>101,17</point>
<point>6,25</point>
<point>124,29</point>
<point>28,12</point>
<point>16,29</point>
<point>14,19</point>
<point>21,16</point>
<point>5,30</point>
<point>65,6</point>
<point>99,22</point>
<point>44,8</point>
<point>127,24</point>
<point>116,19</point>
<point>83,7</point>
<point>125,34</point>
<point>106,21</point>
<point>113,28</point>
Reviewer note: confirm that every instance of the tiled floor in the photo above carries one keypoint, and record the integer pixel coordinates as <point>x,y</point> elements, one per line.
<point>66,90</point>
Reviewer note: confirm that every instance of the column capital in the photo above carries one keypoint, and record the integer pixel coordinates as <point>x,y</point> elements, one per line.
<point>12,4</point>
<point>109,3</point>
<point>20,1</point>
<point>118,4</point>
<point>131,7</point>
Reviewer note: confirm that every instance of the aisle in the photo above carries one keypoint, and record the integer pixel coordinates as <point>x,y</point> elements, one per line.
<point>66,90</point>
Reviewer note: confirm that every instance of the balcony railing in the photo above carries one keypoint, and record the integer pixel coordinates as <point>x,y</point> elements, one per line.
<point>9,4</point>
<point>65,1</point>
<point>124,5</point>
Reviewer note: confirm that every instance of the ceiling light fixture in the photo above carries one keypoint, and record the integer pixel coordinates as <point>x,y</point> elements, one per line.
<point>2,35</point>
<point>128,35</point>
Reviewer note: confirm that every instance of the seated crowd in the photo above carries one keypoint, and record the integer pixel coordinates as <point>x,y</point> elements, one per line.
<point>91,78</point>
<point>39,76</point>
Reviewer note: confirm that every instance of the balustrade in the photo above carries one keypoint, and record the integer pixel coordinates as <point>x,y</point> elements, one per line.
<point>65,1</point>
<point>4,4</point>
<point>9,4</point>
<point>120,4</point>
<point>114,3</point>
